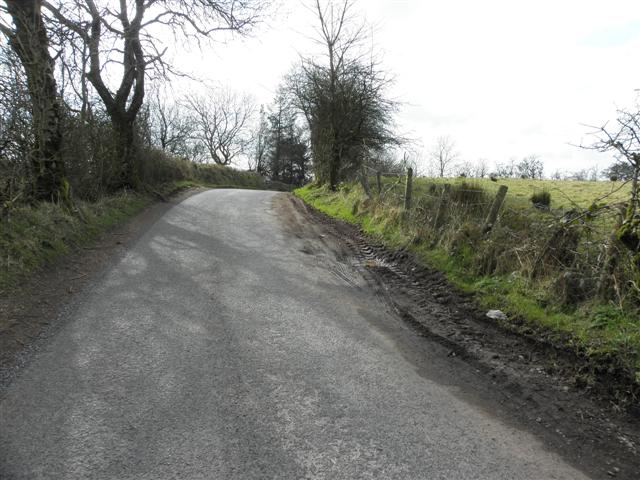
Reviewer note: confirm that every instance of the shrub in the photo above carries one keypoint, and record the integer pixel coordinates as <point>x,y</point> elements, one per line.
<point>541,199</point>
<point>157,167</point>
<point>222,176</point>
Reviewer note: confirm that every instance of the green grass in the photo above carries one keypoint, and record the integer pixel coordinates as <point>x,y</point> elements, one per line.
<point>564,194</point>
<point>33,236</point>
<point>599,329</point>
<point>338,205</point>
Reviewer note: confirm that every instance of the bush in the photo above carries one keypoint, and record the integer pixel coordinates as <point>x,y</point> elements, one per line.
<point>541,199</point>
<point>157,167</point>
<point>222,176</point>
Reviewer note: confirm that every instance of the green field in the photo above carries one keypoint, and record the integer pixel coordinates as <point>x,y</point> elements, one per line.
<point>565,195</point>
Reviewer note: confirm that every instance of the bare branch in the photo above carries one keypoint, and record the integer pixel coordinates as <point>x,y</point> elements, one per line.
<point>221,120</point>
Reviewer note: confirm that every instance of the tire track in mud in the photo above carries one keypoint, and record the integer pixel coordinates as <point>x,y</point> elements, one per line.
<point>535,378</point>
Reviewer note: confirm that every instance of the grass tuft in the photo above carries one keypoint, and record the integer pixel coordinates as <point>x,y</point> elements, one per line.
<point>541,199</point>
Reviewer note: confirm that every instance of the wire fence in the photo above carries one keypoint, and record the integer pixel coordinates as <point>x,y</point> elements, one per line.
<point>513,232</point>
<point>390,189</point>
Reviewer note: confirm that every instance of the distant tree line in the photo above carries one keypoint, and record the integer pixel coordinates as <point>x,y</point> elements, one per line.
<point>443,160</point>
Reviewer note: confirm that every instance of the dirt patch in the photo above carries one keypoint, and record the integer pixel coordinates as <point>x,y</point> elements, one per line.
<point>586,410</point>
<point>36,308</point>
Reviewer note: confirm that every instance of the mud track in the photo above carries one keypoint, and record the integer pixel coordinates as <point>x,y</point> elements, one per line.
<point>534,378</point>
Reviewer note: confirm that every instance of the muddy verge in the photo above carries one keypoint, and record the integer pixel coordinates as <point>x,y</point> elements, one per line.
<point>568,398</point>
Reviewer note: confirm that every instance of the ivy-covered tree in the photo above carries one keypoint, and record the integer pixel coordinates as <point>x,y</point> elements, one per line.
<point>29,40</point>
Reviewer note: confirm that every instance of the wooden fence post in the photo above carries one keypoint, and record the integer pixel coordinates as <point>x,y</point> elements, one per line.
<point>365,182</point>
<point>444,196</point>
<point>379,181</point>
<point>408,190</point>
<point>495,209</point>
<point>606,281</point>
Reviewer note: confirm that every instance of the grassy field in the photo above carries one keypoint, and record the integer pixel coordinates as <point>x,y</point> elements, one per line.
<point>600,328</point>
<point>565,195</point>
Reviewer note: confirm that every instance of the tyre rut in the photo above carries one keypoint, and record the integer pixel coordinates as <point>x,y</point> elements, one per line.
<point>534,378</point>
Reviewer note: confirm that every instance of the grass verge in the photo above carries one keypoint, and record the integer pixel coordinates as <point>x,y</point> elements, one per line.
<point>32,236</point>
<point>604,331</point>
<point>35,235</point>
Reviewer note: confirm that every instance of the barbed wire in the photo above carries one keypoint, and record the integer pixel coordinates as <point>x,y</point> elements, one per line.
<point>599,221</point>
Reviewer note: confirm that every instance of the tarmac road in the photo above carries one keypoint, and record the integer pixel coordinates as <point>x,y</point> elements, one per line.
<point>232,343</point>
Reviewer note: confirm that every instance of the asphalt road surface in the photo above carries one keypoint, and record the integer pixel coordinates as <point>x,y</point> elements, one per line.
<point>229,343</point>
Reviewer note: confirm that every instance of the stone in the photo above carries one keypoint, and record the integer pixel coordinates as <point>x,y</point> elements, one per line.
<point>496,315</point>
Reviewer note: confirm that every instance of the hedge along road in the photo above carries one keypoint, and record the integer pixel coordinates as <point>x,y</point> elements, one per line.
<point>234,341</point>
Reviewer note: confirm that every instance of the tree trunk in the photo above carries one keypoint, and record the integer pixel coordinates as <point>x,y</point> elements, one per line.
<point>334,165</point>
<point>334,171</point>
<point>634,189</point>
<point>30,42</point>
<point>126,152</point>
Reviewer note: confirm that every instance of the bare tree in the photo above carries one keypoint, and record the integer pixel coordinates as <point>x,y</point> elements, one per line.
<point>464,169</point>
<point>444,155</point>
<point>221,124</point>
<point>623,138</point>
<point>506,170</point>
<point>557,175</point>
<point>481,169</point>
<point>579,175</point>
<point>171,128</point>
<point>260,144</point>
<point>120,33</point>
<point>29,40</point>
<point>342,95</point>
<point>530,167</point>
<point>585,174</point>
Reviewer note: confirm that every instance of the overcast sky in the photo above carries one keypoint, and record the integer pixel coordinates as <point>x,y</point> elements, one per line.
<point>503,78</point>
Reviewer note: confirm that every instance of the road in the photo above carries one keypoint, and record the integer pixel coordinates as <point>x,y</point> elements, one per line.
<point>230,343</point>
